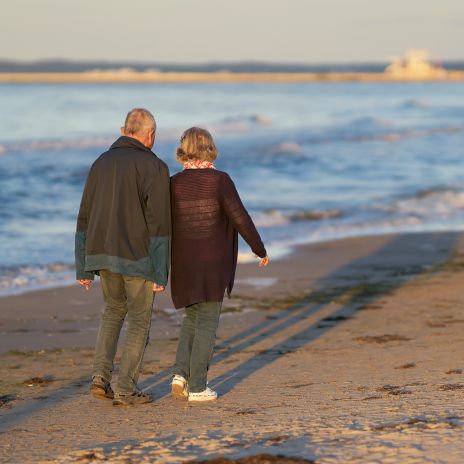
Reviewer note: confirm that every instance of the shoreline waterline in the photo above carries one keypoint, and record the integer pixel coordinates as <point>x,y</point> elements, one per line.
<point>277,253</point>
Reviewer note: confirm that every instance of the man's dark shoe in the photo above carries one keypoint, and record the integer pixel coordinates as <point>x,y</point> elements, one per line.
<point>137,397</point>
<point>101,388</point>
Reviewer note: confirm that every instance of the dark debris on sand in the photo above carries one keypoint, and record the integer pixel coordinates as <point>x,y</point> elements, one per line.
<point>89,456</point>
<point>420,422</point>
<point>257,459</point>
<point>406,366</point>
<point>452,386</point>
<point>5,399</point>
<point>382,338</point>
<point>34,381</point>
<point>454,371</point>
<point>394,390</point>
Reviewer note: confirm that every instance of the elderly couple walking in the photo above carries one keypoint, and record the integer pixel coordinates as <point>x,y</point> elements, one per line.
<point>128,209</point>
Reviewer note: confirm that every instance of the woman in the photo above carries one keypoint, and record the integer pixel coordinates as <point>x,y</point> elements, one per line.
<point>207,213</point>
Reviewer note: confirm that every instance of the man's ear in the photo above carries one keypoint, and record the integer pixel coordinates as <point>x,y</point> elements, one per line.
<point>121,130</point>
<point>151,139</point>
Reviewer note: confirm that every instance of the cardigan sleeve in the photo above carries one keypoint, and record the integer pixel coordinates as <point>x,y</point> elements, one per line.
<point>239,217</point>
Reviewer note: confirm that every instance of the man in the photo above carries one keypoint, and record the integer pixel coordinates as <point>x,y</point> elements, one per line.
<point>123,235</point>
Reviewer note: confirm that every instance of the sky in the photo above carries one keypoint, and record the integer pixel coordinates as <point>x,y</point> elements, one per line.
<point>201,31</point>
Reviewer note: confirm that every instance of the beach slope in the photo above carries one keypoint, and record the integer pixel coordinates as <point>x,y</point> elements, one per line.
<point>346,351</point>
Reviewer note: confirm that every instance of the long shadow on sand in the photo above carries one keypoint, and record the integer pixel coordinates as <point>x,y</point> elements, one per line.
<point>17,413</point>
<point>372,277</point>
<point>422,249</point>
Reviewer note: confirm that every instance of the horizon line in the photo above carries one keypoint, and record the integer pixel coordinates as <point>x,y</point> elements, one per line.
<point>213,62</point>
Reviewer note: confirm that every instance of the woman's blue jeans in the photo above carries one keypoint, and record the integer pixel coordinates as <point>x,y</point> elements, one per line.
<point>130,297</point>
<point>196,343</point>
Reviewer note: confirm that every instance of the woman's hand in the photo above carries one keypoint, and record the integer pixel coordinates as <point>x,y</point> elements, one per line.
<point>263,262</point>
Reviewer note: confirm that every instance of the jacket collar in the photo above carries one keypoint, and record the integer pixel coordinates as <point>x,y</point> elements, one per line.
<point>129,142</point>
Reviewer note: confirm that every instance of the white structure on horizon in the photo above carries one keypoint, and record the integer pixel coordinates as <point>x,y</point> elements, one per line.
<point>414,65</point>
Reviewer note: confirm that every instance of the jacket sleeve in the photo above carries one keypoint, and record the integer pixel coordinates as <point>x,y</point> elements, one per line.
<point>81,232</point>
<point>240,219</point>
<point>158,217</point>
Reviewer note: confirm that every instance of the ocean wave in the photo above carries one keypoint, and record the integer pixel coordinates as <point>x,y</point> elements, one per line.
<point>373,227</point>
<point>19,279</point>
<point>234,125</point>
<point>368,128</point>
<point>273,218</point>
<point>423,206</point>
<point>369,122</point>
<point>434,209</point>
<point>56,145</point>
<point>441,202</point>
<point>316,215</point>
<point>284,148</point>
<point>240,124</point>
<point>359,130</point>
<point>395,136</point>
<point>248,120</point>
<point>416,103</point>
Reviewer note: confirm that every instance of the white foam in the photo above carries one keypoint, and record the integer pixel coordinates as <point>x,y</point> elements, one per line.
<point>270,219</point>
<point>29,278</point>
<point>428,205</point>
<point>285,148</point>
<point>246,257</point>
<point>258,281</point>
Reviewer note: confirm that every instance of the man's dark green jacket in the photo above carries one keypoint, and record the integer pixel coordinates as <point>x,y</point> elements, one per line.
<point>124,222</point>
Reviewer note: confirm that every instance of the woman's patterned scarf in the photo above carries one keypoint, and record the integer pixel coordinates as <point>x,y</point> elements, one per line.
<point>199,164</point>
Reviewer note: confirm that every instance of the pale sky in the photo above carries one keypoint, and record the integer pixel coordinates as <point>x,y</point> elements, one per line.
<point>198,31</point>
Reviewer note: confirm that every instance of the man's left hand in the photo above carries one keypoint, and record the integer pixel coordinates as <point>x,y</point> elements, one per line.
<point>87,283</point>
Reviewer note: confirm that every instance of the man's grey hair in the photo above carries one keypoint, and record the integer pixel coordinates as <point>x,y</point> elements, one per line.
<point>138,121</point>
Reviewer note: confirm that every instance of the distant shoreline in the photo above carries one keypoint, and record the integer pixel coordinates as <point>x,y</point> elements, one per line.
<point>214,77</point>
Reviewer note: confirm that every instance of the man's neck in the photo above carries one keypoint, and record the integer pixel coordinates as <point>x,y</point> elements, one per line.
<point>139,139</point>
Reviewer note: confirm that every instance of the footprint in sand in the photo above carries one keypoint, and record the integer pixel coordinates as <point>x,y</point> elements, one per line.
<point>394,390</point>
<point>34,381</point>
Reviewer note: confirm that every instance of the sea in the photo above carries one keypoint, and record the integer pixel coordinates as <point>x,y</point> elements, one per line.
<point>312,161</point>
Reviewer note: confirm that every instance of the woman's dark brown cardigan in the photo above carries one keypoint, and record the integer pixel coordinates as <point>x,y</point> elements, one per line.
<point>207,213</point>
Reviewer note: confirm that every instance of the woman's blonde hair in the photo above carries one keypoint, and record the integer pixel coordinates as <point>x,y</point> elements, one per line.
<point>196,144</point>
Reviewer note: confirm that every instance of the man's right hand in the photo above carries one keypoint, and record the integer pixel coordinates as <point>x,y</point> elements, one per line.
<point>158,288</point>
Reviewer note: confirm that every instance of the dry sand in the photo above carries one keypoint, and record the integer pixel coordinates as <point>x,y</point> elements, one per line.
<point>348,351</point>
<point>130,76</point>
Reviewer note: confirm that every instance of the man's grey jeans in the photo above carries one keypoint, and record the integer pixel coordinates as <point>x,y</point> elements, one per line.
<point>196,343</point>
<point>131,297</point>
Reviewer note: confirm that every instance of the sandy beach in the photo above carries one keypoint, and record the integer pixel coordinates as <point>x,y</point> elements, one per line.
<point>346,351</point>
<point>122,76</point>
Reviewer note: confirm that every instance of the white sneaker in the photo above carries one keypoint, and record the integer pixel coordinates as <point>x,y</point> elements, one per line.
<point>179,388</point>
<point>205,395</point>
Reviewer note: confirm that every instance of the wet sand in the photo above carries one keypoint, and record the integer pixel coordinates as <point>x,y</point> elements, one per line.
<point>346,351</point>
